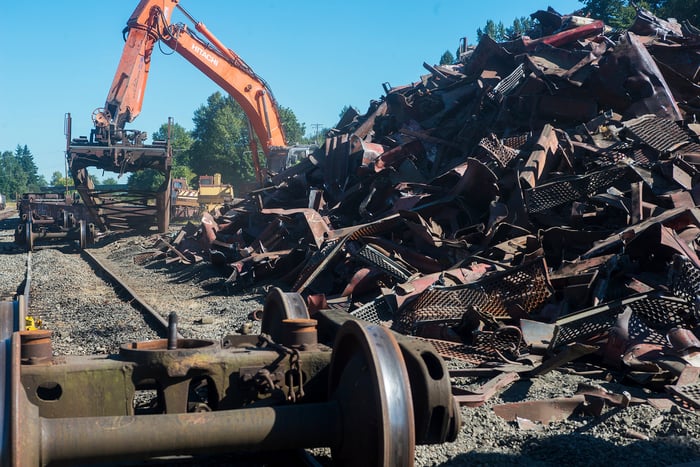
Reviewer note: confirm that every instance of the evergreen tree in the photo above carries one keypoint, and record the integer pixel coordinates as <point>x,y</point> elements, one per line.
<point>147,180</point>
<point>19,173</point>
<point>447,58</point>
<point>681,10</point>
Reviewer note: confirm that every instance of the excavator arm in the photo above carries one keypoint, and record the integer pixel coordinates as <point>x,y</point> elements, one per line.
<point>149,24</point>
<point>125,96</point>
<point>114,148</point>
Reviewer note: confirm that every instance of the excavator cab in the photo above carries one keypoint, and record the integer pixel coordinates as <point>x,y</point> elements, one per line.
<point>281,159</point>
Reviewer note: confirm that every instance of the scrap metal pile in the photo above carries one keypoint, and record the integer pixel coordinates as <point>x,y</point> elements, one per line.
<point>538,198</point>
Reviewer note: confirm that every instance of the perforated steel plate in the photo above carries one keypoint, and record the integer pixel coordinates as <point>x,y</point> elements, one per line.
<point>557,193</point>
<point>488,347</point>
<point>685,281</point>
<point>497,151</point>
<point>519,290</point>
<point>373,257</point>
<point>689,393</point>
<point>652,316</point>
<point>377,311</point>
<point>661,134</point>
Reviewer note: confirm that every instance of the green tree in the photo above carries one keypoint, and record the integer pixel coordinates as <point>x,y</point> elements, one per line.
<point>520,27</point>
<point>147,180</point>
<point>18,172</point>
<point>57,179</point>
<point>614,13</point>
<point>499,32</point>
<point>681,10</point>
<point>110,181</point>
<point>447,58</point>
<point>180,141</point>
<point>293,130</point>
<point>12,177</point>
<point>183,171</point>
<point>221,140</point>
<point>495,31</point>
<point>26,162</point>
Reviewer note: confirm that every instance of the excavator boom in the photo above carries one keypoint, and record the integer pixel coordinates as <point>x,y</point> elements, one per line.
<point>115,148</point>
<point>149,24</point>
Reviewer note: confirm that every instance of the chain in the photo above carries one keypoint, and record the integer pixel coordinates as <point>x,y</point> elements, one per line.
<point>295,373</point>
<point>295,391</point>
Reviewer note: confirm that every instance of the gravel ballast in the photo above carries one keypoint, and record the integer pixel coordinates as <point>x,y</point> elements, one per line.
<point>88,317</point>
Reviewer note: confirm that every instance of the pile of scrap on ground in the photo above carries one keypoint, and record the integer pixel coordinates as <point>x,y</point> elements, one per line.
<point>531,205</point>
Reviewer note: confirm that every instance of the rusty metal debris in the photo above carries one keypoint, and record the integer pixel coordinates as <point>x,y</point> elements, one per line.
<point>283,389</point>
<point>52,216</point>
<point>541,193</point>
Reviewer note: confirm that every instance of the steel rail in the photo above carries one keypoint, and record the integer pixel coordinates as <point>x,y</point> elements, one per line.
<point>8,213</point>
<point>12,319</point>
<point>136,300</point>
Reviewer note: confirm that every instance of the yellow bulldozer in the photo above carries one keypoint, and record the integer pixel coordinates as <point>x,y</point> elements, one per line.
<point>212,194</point>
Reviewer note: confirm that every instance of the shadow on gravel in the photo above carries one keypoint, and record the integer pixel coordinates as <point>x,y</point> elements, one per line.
<point>71,248</point>
<point>517,391</point>
<point>581,450</point>
<point>7,243</point>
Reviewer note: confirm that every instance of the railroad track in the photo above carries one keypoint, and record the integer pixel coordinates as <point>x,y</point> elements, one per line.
<point>18,306</point>
<point>103,328</point>
<point>7,214</point>
<point>150,315</point>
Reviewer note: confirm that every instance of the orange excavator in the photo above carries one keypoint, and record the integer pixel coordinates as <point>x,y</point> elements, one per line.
<point>114,148</point>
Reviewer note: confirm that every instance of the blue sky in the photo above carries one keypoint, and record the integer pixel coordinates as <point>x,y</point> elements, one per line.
<point>317,56</point>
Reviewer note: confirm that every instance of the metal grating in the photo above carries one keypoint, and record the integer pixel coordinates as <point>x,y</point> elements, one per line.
<point>643,156</point>
<point>488,347</point>
<point>377,311</point>
<point>522,289</point>
<point>517,141</point>
<point>508,84</point>
<point>373,257</point>
<point>624,151</point>
<point>690,393</point>
<point>690,148</point>
<point>652,316</point>
<point>640,331</point>
<point>685,280</point>
<point>557,193</point>
<point>313,263</point>
<point>659,133</point>
<point>662,313</point>
<point>383,225</point>
<point>497,151</point>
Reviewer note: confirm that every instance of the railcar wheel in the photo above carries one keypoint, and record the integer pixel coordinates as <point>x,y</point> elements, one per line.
<point>83,235</point>
<point>369,380</point>
<point>20,238</point>
<point>278,307</point>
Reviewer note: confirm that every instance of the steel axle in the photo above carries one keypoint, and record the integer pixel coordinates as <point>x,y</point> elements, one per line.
<point>367,420</point>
